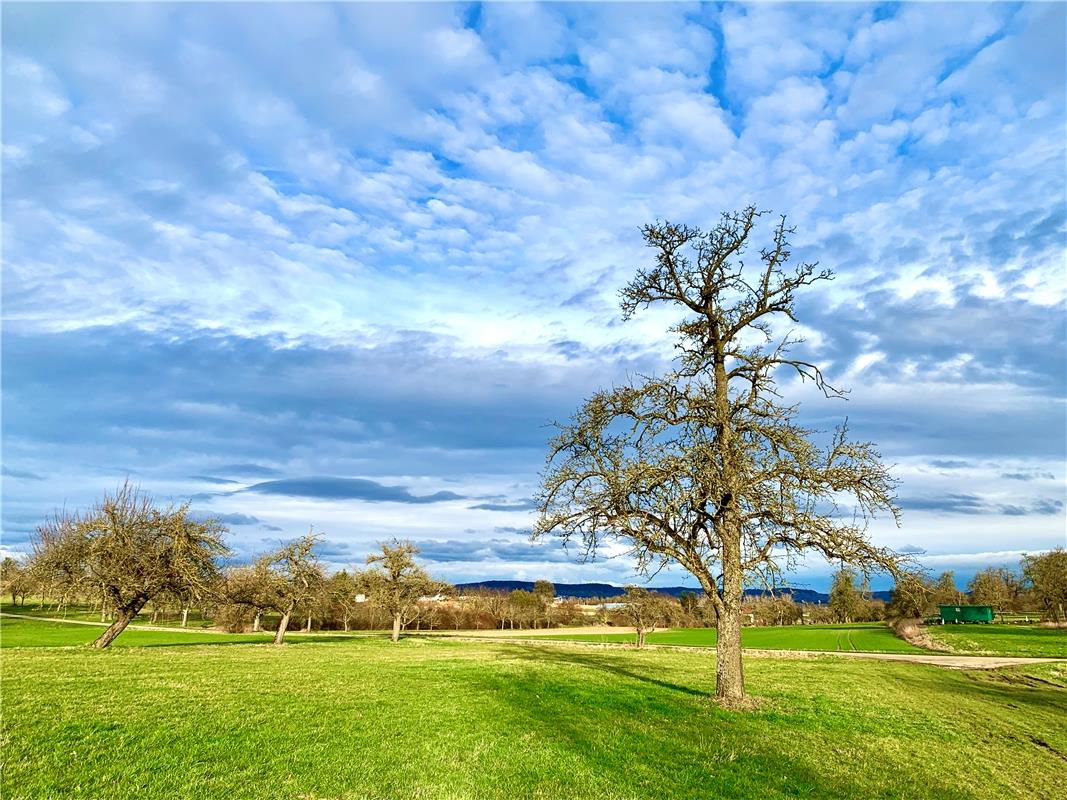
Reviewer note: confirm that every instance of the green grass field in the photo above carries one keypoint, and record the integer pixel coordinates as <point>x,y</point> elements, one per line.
<point>38,633</point>
<point>871,637</point>
<point>31,608</point>
<point>359,717</point>
<point>1013,640</point>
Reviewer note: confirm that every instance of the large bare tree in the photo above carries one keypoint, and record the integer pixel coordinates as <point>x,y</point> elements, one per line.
<point>129,551</point>
<point>705,466</point>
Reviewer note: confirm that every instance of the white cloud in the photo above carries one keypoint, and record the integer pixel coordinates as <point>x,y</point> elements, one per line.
<point>389,168</point>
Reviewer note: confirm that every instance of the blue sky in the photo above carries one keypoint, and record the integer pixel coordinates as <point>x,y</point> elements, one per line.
<point>341,264</point>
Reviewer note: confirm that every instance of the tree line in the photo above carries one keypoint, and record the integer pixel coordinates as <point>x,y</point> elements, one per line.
<point>126,555</point>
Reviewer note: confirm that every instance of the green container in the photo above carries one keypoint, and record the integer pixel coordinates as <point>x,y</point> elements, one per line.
<point>966,614</point>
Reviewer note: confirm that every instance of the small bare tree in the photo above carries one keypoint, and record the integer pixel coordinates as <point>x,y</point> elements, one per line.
<point>16,580</point>
<point>247,592</point>
<point>342,590</point>
<point>396,583</point>
<point>705,466</point>
<point>845,598</point>
<point>1047,574</point>
<point>130,552</point>
<point>645,610</point>
<point>297,578</point>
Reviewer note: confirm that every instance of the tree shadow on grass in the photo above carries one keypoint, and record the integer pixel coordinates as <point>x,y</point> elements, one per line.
<point>294,641</point>
<point>635,734</point>
<point>600,661</point>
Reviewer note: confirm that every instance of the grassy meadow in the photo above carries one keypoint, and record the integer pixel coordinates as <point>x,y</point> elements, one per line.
<point>39,633</point>
<point>1006,640</point>
<point>359,717</point>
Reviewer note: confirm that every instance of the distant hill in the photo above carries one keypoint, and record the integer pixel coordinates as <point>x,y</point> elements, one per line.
<point>585,590</point>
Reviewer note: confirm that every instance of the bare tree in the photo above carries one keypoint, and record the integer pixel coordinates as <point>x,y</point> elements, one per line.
<point>946,593</point>
<point>298,576</point>
<point>912,596</point>
<point>705,466</point>
<point>246,593</point>
<point>992,587</point>
<point>396,582</point>
<point>16,579</point>
<point>645,610</point>
<point>1047,574</point>
<point>342,590</point>
<point>130,552</point>
<point>845,598</point>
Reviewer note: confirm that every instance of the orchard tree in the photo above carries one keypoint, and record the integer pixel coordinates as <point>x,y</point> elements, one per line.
<point>845,600</point>
<point>545,592</point>
<point>16,580</point>
<point>1047,574</point>
<point>706,465</point>
<point>247,592</point>
<point>525,607</point>
<point>342,590</point>
<point>297,578</point>
<point>130,552</point>
<point>992,587</point>
<point>911,597</point>
<point>396,583</point>
<point>645,610</point>
<point>946,593</point>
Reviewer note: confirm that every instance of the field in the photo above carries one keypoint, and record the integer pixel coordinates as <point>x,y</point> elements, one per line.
<point>38,633</point>
<point>358,717</point>
<point>864,637</point>
<point>1014,640</point>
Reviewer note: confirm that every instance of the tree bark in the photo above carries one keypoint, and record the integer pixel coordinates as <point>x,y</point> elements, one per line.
<point>396,628</point>
<point>122,619</point>
<point>279,637</point>
<point>307,627</point>
<point>255,623</point>
<point>185,617</point>
<point>729,674</point>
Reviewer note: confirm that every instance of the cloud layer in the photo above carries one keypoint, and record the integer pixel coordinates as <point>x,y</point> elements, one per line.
<point>385,248</point>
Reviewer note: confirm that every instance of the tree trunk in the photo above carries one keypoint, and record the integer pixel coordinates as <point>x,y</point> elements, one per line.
<point>346,624</point>
<point>255,622</point>
<point>396,628</point>
<point>307,627</point>
<point>122,619</point>
<point>729,675</point>
<point>185,617</point>
<point>279,637</point>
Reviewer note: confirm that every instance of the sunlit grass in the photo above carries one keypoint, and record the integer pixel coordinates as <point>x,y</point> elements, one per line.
<point>361,718</point>
<point>1013,640</point>
<point>865,637</point>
